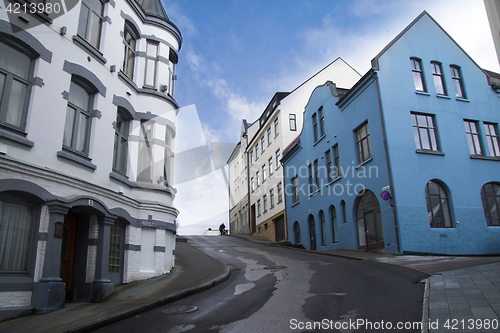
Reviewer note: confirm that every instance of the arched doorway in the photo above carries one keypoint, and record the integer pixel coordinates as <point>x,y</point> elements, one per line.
<point>312,232</point>
<point>296,231</point>
<point>369,222</point>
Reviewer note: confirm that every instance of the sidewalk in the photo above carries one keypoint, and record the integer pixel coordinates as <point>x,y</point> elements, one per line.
<point>463,291</point>
<point>195,271</point>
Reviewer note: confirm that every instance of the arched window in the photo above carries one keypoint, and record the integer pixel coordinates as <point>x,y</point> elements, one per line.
<point>490,194</point>
<point>296,231</point>
<point>17,233</point>
<point>312,232</point>
<point>79,116</point>
<point>438,208</point>
<point>344,217</point>
<point>333,217</point>
<point>120,153</point>
<point>130,35</point>
<point>168,165</point>
<point>323,227</point>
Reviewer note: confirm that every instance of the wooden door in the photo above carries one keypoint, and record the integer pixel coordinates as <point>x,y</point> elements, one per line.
<point>68,254</point>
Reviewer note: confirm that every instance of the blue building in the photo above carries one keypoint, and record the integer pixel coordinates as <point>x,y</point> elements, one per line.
<point>406,161</point>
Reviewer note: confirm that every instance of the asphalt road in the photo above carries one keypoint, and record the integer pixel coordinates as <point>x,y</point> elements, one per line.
<point>275,289</point>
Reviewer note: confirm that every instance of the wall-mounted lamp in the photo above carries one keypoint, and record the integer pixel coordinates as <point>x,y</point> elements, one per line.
<point>164,88</point>
<point>63,30</point>
<point>112,69</point>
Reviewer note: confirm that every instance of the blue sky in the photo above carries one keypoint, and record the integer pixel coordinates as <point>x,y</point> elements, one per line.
<point>237,53</point>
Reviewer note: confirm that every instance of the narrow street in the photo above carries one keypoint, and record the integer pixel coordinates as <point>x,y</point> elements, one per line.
<point>275,289</point>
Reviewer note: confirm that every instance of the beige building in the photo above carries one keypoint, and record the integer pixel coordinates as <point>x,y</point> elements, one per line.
<point>276,128</point>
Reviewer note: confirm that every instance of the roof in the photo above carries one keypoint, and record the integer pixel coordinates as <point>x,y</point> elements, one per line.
<point>152,12</point>
<point>153,8</point>
<point>493,79</point>
<point>375,61</point>
<point>291,145</point>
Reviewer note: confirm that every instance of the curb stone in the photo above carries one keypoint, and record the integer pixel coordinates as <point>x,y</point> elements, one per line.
<point>171,298</point>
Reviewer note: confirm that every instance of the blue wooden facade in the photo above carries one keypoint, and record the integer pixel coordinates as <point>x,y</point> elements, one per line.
<point>421,125</point>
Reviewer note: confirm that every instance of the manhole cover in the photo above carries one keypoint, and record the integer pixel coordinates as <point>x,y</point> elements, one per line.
<point>274,268</point>
<point>179,309</point>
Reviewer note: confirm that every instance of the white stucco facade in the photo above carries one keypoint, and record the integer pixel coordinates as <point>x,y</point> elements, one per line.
<point>85,157</point>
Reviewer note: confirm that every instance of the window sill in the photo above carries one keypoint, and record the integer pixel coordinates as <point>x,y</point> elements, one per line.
<point>317,141</point>
<point>95,53</point>
<point>333,181</point>
<point>279,202</point>
<point>121,178</point>
<point>482,157</point>
<point>364,162</point>
<point>422,93</point>
<point>443,96</point>
<point>314,193</point>
<point>295,203</point>
<point>16,138</point>
<point>462,99</point>
<point>429,152</point>
<point>79,160</point>
<point>128,81</point>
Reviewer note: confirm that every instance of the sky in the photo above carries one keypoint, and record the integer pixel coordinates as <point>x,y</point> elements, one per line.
<point>237,53</point>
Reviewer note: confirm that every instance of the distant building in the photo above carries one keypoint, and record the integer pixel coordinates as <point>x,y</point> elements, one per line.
<point>263,142</point>
<point>238,185</point>
<point>87,114</point>
<point>493,12</point>
<point>407,160</point>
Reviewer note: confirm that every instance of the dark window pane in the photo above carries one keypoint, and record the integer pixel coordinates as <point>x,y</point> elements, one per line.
<point>17,98</point>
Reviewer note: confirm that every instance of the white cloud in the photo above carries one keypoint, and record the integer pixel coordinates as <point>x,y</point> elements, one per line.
<point>358,47</point>
<point>236,106</point>
<point>202,198</point>
<point>182,21</point>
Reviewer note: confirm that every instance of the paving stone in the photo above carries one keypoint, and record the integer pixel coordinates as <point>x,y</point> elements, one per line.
<point>459,306</point>
<point>484,313</point>
<point>475,297</point>
<point>438,305</point>
<point>461,313</point>
<point>479,304</point>
<point>457,299</point>
<point>469,286</point>
<point>454,293</point>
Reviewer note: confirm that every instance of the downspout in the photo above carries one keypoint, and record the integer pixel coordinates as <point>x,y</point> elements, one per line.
<point>248,186</point>
<point>393,196</point>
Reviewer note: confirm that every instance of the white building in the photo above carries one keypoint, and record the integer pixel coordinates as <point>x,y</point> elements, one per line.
<point>238,183</point>
<point>265,140</point>
<point>87,114</point>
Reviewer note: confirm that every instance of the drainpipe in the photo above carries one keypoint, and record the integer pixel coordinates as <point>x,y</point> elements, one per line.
<point>248,186</point>
<point>387,159</point>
